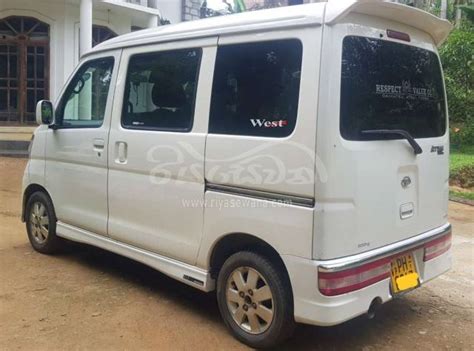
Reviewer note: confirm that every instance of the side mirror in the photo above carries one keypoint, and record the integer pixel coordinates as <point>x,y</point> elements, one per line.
<point>44,112</point>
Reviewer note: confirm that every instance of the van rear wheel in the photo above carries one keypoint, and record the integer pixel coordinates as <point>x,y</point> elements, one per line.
<point>255,300</point>
<point>41,224</point>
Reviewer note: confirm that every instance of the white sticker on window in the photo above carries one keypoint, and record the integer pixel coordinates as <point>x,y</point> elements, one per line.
<point>403,91</point>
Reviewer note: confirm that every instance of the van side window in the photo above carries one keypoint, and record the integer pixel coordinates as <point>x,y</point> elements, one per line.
<point>256,88</point>
<point>84,101</point>
<point>160,90</point>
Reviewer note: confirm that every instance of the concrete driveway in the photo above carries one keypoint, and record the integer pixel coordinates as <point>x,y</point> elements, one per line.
<point>88,299</point>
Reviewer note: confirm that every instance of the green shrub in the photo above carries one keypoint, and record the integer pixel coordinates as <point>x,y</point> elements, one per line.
<point>463,177</point>
<point>457,56</point>
<point>462,134</point>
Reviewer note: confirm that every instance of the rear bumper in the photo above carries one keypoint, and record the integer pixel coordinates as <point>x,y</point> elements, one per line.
<point>312,307</point>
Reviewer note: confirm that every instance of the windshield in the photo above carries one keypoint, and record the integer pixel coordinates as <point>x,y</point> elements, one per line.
<point>387,85</point>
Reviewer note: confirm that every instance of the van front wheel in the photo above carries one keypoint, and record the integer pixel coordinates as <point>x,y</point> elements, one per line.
<point>255,300</point>
<point>41,224</point>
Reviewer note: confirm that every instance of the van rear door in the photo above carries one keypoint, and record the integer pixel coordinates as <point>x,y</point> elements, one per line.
<point>382,136</point>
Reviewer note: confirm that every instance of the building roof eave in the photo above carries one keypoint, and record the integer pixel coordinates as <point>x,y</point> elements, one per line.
<point>136,10</point>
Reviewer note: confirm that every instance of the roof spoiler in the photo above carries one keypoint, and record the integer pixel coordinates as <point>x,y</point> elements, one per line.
<point>436,27</point>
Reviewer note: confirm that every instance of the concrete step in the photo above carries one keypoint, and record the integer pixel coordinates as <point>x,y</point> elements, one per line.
<point>14,148</point>
<point>16,133</point>
<point>14,140</point>
<point>18,129</point>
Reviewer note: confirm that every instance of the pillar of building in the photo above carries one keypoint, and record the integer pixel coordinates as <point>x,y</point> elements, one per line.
<point>191,9</point>
<point>152,21</point>
<point>85,27</point>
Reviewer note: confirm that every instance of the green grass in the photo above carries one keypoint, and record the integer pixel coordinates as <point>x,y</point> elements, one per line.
<point>461,158</point>
<point>468,195</point>
<point>461,167</point>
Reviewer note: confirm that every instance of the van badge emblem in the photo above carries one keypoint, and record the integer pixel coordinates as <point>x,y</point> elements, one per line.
<point>406,181</point>
<point>439,149</point>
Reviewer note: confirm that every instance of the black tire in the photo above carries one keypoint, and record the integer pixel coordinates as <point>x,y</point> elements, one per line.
<point>45,244</point>
<point>282,324</point>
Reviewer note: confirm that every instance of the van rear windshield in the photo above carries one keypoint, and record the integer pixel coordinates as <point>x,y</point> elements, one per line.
<point>387,85</point>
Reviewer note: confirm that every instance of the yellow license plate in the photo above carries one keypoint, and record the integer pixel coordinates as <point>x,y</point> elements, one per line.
<point>404,274</point>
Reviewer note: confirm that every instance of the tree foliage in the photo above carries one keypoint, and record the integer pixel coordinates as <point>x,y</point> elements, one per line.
<point>469,11</point>
<point>457,55</point>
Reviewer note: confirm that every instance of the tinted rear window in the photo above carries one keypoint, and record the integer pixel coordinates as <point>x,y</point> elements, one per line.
<point>387,85</point>
<point>256,88</point>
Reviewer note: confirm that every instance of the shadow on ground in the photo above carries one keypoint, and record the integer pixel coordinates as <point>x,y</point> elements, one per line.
<point>358,332</point>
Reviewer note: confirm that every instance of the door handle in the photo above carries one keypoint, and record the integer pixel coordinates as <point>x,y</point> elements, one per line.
<point>121,150</point>
<point>99,144</point>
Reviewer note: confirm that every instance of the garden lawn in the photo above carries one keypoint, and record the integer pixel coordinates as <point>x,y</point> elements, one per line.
<point>461,169</point>
<point>461,158</point>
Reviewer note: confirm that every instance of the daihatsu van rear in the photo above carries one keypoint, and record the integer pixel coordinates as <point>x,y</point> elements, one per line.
<point>380,224</point>
<point>382,134</point>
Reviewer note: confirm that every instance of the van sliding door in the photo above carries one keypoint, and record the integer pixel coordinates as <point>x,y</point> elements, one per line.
<point>260,150</point>
<point>156,154</point>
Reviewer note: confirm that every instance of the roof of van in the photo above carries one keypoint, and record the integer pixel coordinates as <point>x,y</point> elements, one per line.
<point>330,12</point>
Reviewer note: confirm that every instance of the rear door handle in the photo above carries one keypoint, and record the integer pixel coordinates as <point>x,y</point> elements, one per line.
<point>121,150</point>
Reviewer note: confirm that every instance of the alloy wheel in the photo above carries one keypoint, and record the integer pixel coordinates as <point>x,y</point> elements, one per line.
<point>39,222</point>
<point>250,300</point>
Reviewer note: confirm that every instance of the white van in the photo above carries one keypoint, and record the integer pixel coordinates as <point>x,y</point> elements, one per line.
<point>295,160</point>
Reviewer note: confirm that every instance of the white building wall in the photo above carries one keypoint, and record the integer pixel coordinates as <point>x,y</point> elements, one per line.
<point>63,18</point>
<point>171,10</point>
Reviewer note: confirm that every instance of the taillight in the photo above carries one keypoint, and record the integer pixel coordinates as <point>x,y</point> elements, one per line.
<point>398,35</point>
<point>335,283</point>
<point>437,247</point>
<point>344,281</point>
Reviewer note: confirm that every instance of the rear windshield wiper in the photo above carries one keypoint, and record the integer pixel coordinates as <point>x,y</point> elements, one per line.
<point>416,147</point>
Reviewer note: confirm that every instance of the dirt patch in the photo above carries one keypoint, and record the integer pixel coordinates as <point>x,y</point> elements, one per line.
<point>89,299</point>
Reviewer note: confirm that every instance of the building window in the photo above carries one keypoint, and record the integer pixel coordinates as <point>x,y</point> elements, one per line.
<point>138,2</point>
<point>24,68</point>
<point>101,34</point>
<point>256,88</point>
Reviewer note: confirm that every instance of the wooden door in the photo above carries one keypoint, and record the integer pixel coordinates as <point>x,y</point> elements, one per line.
<point>24,68</point>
